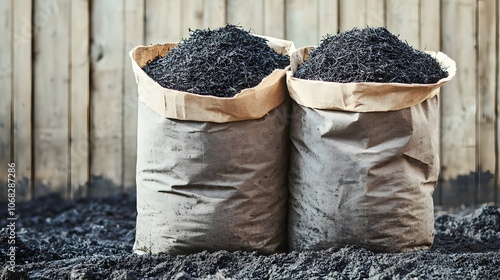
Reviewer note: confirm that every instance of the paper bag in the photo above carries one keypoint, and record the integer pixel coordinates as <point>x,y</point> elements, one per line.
<point>211,172</point>
<point>364,163</point>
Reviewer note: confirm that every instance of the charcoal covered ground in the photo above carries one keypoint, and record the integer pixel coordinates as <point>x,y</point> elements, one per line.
<point>93,238</point>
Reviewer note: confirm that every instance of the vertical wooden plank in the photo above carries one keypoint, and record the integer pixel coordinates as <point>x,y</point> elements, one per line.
<point>5,93</point>
<point>192,16</point>
<point>361,13</point>
<point>375,13</point>
<point>51,98</point>
<point>107,31</point>
<point>202,14</point>
<point>274,18</point>
<point>302,22</point>
<point>497,120</point>
<point>79,98</point>
<point>163,21</point>
<point>403,19</point>
<point>459,103</point>
<point>352,14</point>
<point>21,85</point>
<point>486,82</point>
<point>430,20</point>
<point>134,35</point>
<point>214,13</point>
<point>328,18</point>
<point>248,14</point>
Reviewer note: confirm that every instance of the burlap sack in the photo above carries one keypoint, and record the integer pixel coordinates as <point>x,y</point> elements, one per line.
<point>211,172</point>
<point>364,163</point>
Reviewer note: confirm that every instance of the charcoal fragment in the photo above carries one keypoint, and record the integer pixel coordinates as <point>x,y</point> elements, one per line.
<point>220,62</point>
<point>369,55</point>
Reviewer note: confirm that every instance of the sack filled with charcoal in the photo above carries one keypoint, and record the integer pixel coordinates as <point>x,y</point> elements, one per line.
<point>212,151</point>
<point>364,142</point>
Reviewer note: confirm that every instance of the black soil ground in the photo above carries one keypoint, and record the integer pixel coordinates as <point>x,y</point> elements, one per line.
<point>93,238</point>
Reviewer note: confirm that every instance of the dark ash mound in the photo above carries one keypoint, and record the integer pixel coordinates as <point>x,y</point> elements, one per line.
<point>93,238</point>
<point>476,232</point>
<point>369,55</point>
<point>219,62</point>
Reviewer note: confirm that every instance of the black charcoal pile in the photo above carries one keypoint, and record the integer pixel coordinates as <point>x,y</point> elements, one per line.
<point>219,62</point>
<point>93,239</point>
<point>369,55</point>
<point>477,231</point>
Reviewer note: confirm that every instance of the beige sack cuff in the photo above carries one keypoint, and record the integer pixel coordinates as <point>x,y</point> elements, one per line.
<point>361,97</point>
<point>251,103</point>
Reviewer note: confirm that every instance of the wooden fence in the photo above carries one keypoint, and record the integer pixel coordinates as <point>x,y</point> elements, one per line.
<point>68,95</point>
